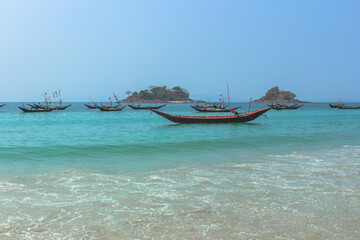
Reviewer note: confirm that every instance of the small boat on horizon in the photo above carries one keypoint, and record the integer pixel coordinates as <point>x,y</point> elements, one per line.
<point>138,107</point>
<point>347,107</point>
<point>212,109</point>
<point>91,107</point>
<point>56,108</point>
<point>35,110</point>
<point>285,107</point>
<point>60,108</point>
<point>337,105</point>
<point>117,108</point>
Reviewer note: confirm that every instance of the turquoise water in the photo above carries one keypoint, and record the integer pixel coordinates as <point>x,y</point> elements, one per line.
<point>88,174</point>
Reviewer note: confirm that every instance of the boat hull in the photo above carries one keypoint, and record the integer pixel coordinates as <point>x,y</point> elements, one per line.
<point>338,105</point>
<point>212,109</point>
<point>349,108</point>
<point>146,108</point>
<point>213,119</point>
<point>288,107</point>
<point>62,108</point>
<point>91,107</point>
<point>115,109</point>
<point>35,110</point>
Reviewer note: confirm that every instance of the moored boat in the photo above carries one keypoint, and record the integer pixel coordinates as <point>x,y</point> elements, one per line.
<point>32,110</point>
<point>287,107</point>
<point>60,107</point>
<point>338,105</point>
<point>2,105</point>
<point>246,117</point>
<point>91,107</point>
<point>206,109</point>
<point>111,109</point>
<point>138,107</point>
<point>347,107</point>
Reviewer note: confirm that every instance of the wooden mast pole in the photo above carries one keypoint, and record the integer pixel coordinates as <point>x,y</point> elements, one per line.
<point>249,105</point>
<point>228,97</point>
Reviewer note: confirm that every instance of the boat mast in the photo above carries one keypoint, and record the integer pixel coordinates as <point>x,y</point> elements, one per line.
<point>60,98</point>
<point>228,97</point>
<point>249,104</point>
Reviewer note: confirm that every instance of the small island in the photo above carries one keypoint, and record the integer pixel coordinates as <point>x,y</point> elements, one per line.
<point>277,95</point>
<point>156,94</point>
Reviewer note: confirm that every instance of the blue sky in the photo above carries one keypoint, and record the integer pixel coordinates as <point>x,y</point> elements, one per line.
<point>92,48</point>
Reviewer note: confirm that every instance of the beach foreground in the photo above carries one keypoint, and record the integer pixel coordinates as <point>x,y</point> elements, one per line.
<point>76,178</point>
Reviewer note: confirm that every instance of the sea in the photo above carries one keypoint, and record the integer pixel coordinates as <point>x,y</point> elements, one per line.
<point>86,174</point>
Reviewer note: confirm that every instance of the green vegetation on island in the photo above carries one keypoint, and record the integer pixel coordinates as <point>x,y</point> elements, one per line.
<point>159,94</point>
<point>277,95</point>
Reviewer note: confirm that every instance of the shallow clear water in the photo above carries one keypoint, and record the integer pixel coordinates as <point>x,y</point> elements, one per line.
<point>87,174</point>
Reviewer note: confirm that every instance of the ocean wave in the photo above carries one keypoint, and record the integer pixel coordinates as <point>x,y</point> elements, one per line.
<point>302,195</point>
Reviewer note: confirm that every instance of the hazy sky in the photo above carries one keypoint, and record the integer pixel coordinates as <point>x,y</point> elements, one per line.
<point>92,48</point>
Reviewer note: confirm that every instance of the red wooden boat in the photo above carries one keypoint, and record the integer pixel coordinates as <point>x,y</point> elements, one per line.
<point>246,117</point>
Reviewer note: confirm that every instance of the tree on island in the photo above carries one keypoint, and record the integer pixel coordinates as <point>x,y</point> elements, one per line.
<point>159,94</point>
<point>128,93</point>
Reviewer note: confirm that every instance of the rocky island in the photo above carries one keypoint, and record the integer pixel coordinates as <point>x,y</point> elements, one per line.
<point>156,94</point>
<point>277,95</point>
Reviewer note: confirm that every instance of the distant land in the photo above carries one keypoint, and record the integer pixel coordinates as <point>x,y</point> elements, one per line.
<point>276,95</point>
<point>156,94</point>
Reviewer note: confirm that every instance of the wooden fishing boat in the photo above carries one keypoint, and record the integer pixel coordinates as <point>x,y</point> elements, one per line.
<point>2,105</point>
<point>60,108</point>
<point>33,105</point>
<point>213,109</point>
<point>208,105</point>
<point>91,107</point>
<point>286,107</point>
<point>338,105</point>
<point>111,109</point>
<point>138,107</point>
<point>38,105</point>
<point>277,105</point>
<point>346,107</point>
<point>26,110</point>
<point>246,117</point>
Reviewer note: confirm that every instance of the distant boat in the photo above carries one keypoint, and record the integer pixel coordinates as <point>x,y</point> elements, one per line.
<point>60,108</point>
<point>274,106</point>
<point>346,107</point>
<point>138,107</point>
<point>2,105</point>
<point>111,109</point>
<point>26,110</point>
<point>212,109</point>
<point>246,117</point>
<point>37,106</point>
<point>338,105</point>
<point>285,107</point>
<point>91,107</point>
